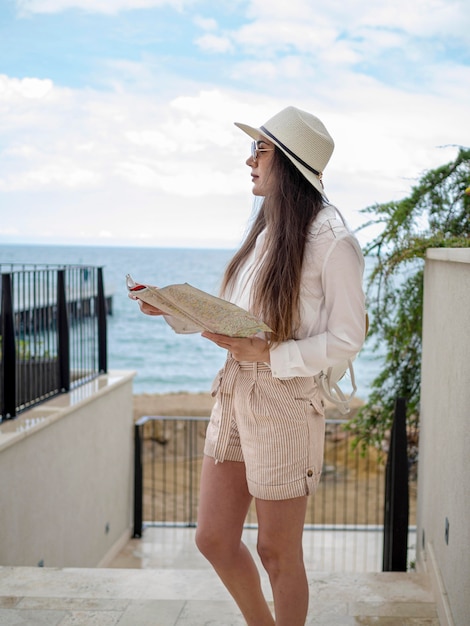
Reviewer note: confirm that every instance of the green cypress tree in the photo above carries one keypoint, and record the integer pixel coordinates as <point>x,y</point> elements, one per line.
<point>435,215</point>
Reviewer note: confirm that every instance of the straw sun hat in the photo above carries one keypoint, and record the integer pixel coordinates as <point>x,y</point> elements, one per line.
<point>302,137</point>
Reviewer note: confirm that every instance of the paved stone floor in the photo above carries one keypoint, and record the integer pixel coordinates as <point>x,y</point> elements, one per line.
<point>171,584</point>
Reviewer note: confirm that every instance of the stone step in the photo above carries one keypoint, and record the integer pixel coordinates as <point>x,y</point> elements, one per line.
<point>195,597</point>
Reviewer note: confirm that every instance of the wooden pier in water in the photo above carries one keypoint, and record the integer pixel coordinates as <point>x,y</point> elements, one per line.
<point>41,316</point>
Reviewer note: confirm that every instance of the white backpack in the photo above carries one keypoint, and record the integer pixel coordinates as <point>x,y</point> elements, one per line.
<point>327,380</point>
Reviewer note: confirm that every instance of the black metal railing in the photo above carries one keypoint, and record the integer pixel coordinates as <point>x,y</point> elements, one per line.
<point>348,504</point>
<point>53,332</point>
<point>397,498</point>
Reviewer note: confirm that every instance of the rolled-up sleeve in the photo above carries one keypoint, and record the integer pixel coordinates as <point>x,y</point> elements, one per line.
<point>338,331</point>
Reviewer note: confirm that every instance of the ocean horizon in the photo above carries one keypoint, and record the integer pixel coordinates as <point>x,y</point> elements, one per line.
<point>164,361</point>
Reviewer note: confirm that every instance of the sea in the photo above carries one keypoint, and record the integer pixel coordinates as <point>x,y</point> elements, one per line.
<point>163,361</point>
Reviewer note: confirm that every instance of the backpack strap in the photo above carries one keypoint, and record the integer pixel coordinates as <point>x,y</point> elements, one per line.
<point>327,381</point>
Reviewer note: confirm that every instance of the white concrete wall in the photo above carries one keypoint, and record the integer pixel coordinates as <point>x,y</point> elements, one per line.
<point>444,448</point>
<point>66,477</point>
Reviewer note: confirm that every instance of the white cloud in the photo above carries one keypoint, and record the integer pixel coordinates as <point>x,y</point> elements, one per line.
<point>84,139</point>
<point>179,163</point>
<point>269,36</point>
<point>206,23</point>
<point>14,88</point>
<point>194,155</point>
<point>424,18</point>
<point>155,156</point>
<point>54,174</point>
<point>214,43</point>
<point>349,33</point>
<point>93,6</point>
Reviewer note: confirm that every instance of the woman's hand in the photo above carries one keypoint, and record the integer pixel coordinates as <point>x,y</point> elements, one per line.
<point>251,349</point>
<point>148,309</point>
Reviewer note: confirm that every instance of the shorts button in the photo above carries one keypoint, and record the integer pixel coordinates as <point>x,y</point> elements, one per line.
<point>310,473</point>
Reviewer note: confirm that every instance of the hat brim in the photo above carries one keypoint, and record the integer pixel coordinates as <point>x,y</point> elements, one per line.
<point>257,134</point>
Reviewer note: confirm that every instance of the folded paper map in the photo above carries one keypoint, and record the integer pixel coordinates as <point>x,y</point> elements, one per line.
<point>198,310</point>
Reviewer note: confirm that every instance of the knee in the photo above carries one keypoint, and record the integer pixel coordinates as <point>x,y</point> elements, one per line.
<point>205,542</point>
<point>219,548</point>
<point>209,543</point>
<point>276,558</point>
<point>269,555</point>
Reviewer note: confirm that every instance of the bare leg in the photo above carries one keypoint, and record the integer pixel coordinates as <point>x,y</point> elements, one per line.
<point>223,505</point>
<point>281,525</point>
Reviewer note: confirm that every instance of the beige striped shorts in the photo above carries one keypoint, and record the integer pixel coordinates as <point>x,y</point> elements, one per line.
<point>276,427</point>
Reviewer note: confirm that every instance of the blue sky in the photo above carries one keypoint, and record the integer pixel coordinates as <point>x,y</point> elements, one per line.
<point>116,116</point>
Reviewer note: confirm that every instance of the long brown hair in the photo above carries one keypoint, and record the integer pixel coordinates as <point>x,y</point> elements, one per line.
<point>287,215</point>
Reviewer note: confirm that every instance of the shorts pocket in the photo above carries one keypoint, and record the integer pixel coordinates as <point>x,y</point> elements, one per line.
<point>317,404</point>
<point>304,389</point>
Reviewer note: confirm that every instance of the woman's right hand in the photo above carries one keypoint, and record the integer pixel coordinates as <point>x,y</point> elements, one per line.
<point>147,309</point>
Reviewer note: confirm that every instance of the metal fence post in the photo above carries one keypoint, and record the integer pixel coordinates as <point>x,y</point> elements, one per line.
<point>63,333</point>
<point>138,483</point>
<point>8,366</point>
<point>102,333</point>
<point>396,509</point>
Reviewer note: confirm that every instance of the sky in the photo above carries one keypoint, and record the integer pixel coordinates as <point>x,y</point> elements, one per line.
<point>116,116</point>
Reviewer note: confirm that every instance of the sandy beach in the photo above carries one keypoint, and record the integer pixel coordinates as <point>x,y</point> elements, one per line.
<point>183,403</point>
<point>199,404</point>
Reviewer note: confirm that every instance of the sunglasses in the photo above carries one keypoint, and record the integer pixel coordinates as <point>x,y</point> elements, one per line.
<point>255,150</point>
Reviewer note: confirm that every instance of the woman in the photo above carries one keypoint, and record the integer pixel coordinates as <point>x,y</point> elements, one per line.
<point>300,270</point>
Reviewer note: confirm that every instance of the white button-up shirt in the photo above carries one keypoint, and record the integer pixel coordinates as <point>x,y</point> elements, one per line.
<point>332,302</point>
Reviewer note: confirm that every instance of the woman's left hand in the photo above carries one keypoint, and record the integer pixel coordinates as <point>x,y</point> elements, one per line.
<point>251,349</point>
